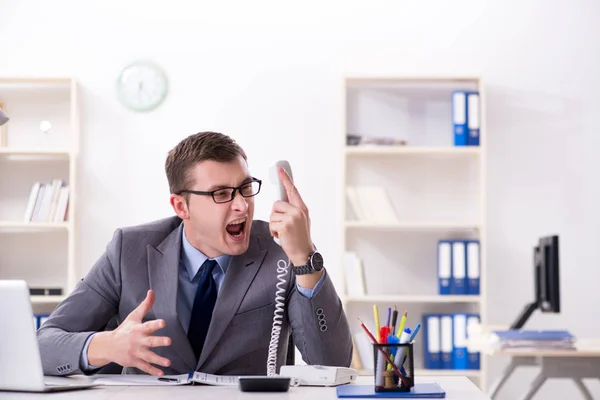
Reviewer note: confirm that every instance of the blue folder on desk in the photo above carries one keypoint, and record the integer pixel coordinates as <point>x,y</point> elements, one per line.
<point>419,391</point>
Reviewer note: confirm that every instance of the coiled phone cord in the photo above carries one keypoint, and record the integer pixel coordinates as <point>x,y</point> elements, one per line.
<point>282,269</point>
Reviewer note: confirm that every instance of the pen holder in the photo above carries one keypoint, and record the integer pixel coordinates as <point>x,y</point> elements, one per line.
<point>390,359</point>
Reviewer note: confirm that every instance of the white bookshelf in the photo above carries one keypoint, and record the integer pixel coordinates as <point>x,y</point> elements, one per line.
<point>436,191</point>
<point>40,249</point>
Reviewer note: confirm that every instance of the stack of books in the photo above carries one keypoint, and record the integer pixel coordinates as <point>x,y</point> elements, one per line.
<point>514,339</point>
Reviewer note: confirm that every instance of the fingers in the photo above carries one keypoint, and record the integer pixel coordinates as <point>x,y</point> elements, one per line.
<point>292,192</point>
<point>284,207</point>
<point>277,228</point>
<point>156,341</point>
<point>149,327</point>
<point>155,359</point>
<point>147,368</point>
<point>144,307</point>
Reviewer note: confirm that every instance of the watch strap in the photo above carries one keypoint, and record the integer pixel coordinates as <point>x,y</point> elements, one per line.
<point>302,270</point>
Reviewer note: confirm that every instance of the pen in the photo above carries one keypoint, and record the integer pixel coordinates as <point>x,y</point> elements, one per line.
<point>394,367</point>
<point>168,379</point>
<point>415,332</point>
<point>394,318</point>
<point>376,315</point>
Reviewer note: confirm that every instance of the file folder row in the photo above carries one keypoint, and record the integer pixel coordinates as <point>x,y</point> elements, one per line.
<point>466,118</point>
<point>445,343</point>
<point>459,267</point>
<point>39,319</point>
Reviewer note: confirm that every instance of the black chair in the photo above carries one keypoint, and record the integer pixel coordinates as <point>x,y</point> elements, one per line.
<point>291,352</point>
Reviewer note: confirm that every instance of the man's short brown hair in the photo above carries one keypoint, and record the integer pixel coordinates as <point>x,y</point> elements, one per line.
<point>195,148</point>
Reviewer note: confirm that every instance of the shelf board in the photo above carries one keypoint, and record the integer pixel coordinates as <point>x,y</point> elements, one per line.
<point>409,226</point>
<point>35,154</point>
<point>46,299</point>
<point>33,226</point>
<point>377,150</point>
<point>435,372</point>
<point>412,298</point>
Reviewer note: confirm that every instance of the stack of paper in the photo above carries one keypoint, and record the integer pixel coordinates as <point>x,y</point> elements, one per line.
<point>534,340</point>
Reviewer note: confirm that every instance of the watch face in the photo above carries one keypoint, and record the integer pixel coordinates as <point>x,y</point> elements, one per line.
<point>317,261</point>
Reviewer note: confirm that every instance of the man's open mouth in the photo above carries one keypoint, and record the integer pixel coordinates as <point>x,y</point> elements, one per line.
<point>236,228</point>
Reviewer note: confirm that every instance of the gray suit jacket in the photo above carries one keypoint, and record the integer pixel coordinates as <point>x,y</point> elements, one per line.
<point>147,257</point>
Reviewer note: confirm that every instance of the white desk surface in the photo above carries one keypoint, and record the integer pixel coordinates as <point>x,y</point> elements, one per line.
<point>456,387</point>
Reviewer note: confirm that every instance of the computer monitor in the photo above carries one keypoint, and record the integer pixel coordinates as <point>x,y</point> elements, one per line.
<point>546,280</point>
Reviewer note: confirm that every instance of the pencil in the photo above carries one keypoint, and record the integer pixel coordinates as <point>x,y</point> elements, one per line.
<point>389,315</point>
<point>401,327</point>
<point>376,315</point>
<point>396,370</point>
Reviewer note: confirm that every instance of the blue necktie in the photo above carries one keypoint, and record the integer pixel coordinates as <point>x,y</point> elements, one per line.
<point>204,303</point>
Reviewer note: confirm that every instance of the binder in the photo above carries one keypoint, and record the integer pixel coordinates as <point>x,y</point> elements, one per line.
<point>446,342</point>
<point>431,327</point>
<point>458,283</point>
<point>459,353</point>
<point>473,267</point>
<point>473,119</point>
<point>459,117</point>
<point>420,391</point>
<point>473,357</point>
<point>444,266</point>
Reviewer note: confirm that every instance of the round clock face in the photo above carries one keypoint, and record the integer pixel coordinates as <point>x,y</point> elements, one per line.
<point>142,86</point>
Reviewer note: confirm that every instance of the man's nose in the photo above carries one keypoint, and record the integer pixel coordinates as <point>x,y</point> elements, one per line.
<point>239,202</point>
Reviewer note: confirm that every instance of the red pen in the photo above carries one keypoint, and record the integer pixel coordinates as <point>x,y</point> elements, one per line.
<point>384,332</point>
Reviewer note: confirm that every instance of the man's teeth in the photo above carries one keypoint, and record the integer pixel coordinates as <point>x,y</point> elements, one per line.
<point>239,221</point>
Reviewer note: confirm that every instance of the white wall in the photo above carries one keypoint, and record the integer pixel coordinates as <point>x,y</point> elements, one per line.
<point>270,74</point>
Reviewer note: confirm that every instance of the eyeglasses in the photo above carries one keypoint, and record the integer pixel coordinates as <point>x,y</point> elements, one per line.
<point>226,194</point>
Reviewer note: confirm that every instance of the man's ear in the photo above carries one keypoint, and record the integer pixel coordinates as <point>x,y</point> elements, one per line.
<point>180,206</point>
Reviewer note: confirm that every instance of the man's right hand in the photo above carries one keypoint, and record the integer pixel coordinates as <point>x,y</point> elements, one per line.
<point>129,344</point>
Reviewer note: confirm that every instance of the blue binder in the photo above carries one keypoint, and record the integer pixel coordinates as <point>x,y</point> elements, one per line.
<point>473,266</point>
<point>459,117</point>
<point>473,119</point>
<point>432,342</point>
<point>444,259</point>
<point>446,341</point>
<point>473,356</point>
<point>459,282</point>
<point>459,335</point>
<point>419,391</point>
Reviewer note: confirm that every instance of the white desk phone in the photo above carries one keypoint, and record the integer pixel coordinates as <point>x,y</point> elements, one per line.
<point>296,375</point>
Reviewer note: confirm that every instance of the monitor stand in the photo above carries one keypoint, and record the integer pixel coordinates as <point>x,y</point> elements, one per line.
<point>524,316</point>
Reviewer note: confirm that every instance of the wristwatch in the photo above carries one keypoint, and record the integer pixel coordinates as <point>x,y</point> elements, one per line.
<point>314,264</point>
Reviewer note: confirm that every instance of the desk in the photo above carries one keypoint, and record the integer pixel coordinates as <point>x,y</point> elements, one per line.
<point>572,364</point>
<point>456,387</point>
<point>583,362</point>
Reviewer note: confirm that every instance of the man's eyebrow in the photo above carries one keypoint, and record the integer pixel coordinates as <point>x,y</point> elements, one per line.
<point>217,187</point>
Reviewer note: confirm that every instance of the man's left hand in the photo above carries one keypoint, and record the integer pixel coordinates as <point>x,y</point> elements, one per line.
<point>290,223</point>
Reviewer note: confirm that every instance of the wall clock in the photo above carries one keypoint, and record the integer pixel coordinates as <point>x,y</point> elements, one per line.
<point>142,86</point>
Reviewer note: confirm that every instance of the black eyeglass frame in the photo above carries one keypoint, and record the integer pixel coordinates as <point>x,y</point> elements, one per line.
<point>233,192</point>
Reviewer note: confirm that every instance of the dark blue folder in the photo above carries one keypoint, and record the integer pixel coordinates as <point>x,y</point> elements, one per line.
<point>419,391</point>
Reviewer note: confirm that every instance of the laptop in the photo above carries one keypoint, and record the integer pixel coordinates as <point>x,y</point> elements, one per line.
<point>20,361</point>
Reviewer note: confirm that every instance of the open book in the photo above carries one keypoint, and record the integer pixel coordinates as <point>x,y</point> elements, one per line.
<point>193,378</point>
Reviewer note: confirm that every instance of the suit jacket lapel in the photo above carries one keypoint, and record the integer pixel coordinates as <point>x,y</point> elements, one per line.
<point>163,271</point>
<point>240,274</point>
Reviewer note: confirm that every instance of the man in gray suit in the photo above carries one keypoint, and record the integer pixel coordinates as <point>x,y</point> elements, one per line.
<point>202,290</point>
